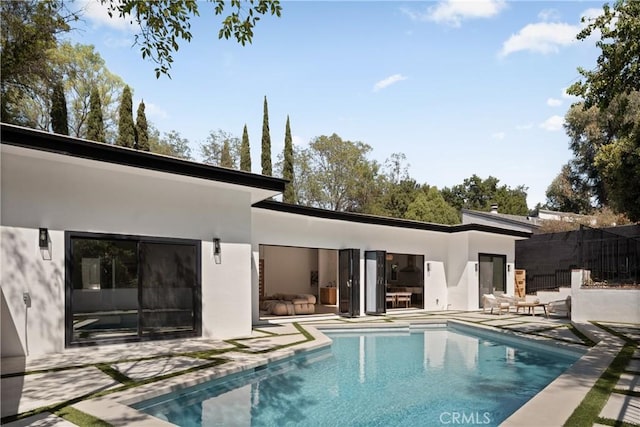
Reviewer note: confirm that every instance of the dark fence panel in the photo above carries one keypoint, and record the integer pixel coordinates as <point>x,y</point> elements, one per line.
<point>612,255</point>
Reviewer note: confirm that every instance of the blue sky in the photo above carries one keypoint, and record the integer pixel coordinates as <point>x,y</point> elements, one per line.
<point>461,88</point>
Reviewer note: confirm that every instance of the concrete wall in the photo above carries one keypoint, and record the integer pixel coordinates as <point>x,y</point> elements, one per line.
<point>602,304</point>
<point>68,194</point>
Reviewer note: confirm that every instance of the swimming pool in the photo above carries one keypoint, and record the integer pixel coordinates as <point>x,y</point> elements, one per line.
<point>437,376</point>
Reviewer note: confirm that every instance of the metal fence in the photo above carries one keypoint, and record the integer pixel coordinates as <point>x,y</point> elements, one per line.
<point>612,255</point>
<point>612,258</point>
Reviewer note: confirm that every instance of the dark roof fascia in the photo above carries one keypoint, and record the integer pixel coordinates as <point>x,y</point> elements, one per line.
<point>75,147</point>
<point>492,216</point>
<point>379,220</point>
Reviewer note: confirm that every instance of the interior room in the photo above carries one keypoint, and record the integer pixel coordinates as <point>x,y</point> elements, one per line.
<point>297,281</point>
<point>405,281</point>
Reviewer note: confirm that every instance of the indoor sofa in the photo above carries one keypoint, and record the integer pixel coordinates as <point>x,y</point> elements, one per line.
<point>289,304</point>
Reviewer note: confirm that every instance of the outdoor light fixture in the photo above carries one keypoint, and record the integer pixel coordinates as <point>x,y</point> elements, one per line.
<point>43,238</point>
<point>44,243</point>
<point>509,268</point>
<point>217,251</point>
<point>428,267</point>
<point>476,267</point>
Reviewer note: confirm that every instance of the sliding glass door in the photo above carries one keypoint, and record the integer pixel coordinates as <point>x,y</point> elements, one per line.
<point>124,288</point>
<point>492,276</point>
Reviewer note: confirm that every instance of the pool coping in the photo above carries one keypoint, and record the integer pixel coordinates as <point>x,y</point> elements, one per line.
<point>551,406</point>
<point>115,408</point>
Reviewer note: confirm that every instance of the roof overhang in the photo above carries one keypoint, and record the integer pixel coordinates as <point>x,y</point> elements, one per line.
<point>16,139</point>
<point>386,221</point>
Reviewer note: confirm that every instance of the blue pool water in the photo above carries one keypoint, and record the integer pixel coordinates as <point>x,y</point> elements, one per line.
<point>439,376</point>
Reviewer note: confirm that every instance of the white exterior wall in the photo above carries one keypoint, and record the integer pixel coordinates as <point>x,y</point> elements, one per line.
<point>63,193</point>
<point>285,229</point>
<point>602,304</point>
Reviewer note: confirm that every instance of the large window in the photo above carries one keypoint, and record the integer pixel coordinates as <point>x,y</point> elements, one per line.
<point>123,288</point>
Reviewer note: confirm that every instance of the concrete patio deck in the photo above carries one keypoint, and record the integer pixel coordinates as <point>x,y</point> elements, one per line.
<point>103,381</point>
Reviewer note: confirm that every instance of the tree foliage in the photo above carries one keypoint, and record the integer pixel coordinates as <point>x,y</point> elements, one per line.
<point>245,151</point>
<point>569,193</point>
<point>163,23</point>
<point>29,32</point>
<point>213,150</point>
<point>618,66</point>
<point>478,194</point>
<point>142,131</point>
<point>95,122</point>
<point>83,69</point>
<point>170,144</point>
<point>431,207</point>
<point>266,142</point>
<point>126,127</point>
<point>334,174</point>
<point>610,155</point>
<point>59,121</point>
<point>287,168</point>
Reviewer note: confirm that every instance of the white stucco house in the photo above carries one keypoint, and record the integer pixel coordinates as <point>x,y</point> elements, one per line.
<point>103,244</point>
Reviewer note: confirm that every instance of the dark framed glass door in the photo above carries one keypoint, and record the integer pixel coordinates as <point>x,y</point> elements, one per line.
<point>128,288</point>
<point>375,278</point>
<point>349,282</point>
<point>492,274</point>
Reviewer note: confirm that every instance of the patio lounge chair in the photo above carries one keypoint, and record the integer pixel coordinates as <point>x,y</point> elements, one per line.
<point>561,307</point>
<point>492,302</point>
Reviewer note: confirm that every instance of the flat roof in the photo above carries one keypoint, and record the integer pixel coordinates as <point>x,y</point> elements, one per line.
<point>380,220</point>
<point>99,151</point>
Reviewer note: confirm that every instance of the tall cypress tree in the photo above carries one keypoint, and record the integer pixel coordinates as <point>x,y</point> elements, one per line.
<point>287,168</point>
<point>245,152</point>
<point>95,121</point>
<point>59,120</point>
<point>266,142</point>
<point>142,129</point>
<point>126,128</point>
<point>225,155</point>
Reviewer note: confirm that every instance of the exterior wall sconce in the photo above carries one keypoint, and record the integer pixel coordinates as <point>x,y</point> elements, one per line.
<point>44,243</point>
<point>217,251</point>
<point>428,267</point>
<point>43,238</point>
<point>509,268</point>
<point>476,267</point>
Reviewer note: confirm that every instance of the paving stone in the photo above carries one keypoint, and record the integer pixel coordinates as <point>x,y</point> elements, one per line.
<point>45,419</point>
<point>634,365</point>
<point>266,343</point>
<point>622,407</point>
<point>525,327</point>
<point>629,382</point>
<point>24,393</point>
<point>286,328</point>
<point>144,369</point>
<point>501,322</point>
<point>562,333</point>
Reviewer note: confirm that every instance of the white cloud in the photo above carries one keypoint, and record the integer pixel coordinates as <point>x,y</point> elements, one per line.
<point>526,126</point>
<point>388,82</point>
<point>98,14</point>
<point>542,37</point>
<point>549,15</point>
<point>453,12</point>
<point>553,123</point>
<point>553,102</point>
<point>153,111</point>
<point>498,135</point>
